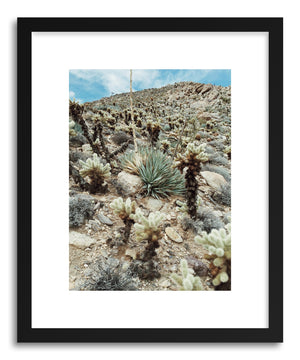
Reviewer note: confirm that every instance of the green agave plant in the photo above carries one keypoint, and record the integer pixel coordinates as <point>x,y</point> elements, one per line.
<point>156,170</point>
<point>159,177</point>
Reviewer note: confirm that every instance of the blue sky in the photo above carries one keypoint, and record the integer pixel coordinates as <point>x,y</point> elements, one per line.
<point>89,85</point>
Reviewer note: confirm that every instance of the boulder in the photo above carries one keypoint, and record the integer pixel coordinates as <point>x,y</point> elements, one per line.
<point>206,88</point>
<point>153,204</point>
<point>173,234</point>
<point>130,184</point>
<point>104,219</point>
<point>198,266</point>
<point>213,179</point>
<point>79,240</point>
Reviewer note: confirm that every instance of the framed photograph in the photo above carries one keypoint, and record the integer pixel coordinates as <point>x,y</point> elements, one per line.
<point>126,212</point>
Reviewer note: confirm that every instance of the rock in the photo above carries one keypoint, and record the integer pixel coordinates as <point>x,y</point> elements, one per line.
<point>213,95</point>
<point>199,267</point>
<point>217,213</point>
<point>199,88</point>
<point>77,140</point>
<point>130,184</point>
<point>104,253</point>
<point>173,234</point>
<point>132,253</point>
<point>97,206</point>
<point>120,137</point>
<point>78,155</point>
<point>79,240</point>
<point>153,204</point>
<point>104,219</point>
<point>94,225</point>
<point>213,179</point>
<point>206,88</point>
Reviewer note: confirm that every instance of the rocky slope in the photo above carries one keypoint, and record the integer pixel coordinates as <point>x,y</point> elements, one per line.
<point>166,119</point>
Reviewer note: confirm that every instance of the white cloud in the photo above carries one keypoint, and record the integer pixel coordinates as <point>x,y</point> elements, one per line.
<point>117,81</point>
<point>71,94</point>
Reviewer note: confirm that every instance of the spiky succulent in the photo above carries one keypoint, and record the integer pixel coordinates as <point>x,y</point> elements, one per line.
<point>186,281</point>
<point>160,178</point>
<point>218,244</point>
<point>131,161</point>
<point>147,228</point>
<point>96,171</point>
<point>156,171</point>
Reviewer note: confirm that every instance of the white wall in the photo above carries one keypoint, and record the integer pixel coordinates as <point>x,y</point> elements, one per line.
<point>217,8</point>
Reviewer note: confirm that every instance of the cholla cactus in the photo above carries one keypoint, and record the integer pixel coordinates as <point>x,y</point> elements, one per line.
<point>76,112</point>
<point>182,206</point>
<point>165,144</point>
<point>72,131</point>
<point>153,129</point>
<point>192,159</point>
<point>148,229</point>
<point>227,151</point>
<point>97,173</point>
<point>187,281</point>
<point>218,244</point>
<point>124,210</point>
<point>209,125</point>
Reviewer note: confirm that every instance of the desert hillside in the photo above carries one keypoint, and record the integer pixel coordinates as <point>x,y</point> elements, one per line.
<point>149,190</point>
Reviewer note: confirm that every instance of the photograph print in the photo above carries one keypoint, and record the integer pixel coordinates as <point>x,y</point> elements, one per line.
<point>150,180</point>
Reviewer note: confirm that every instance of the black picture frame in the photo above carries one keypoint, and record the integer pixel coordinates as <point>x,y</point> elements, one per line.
<point>274,333</point>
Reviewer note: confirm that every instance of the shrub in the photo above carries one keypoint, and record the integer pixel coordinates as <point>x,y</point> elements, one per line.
<point>209,220</point>
<point>121,137</point>
<point>224,195</point>
<point>110,275</point>
<point>217,159</point>
<point>80,208</point>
